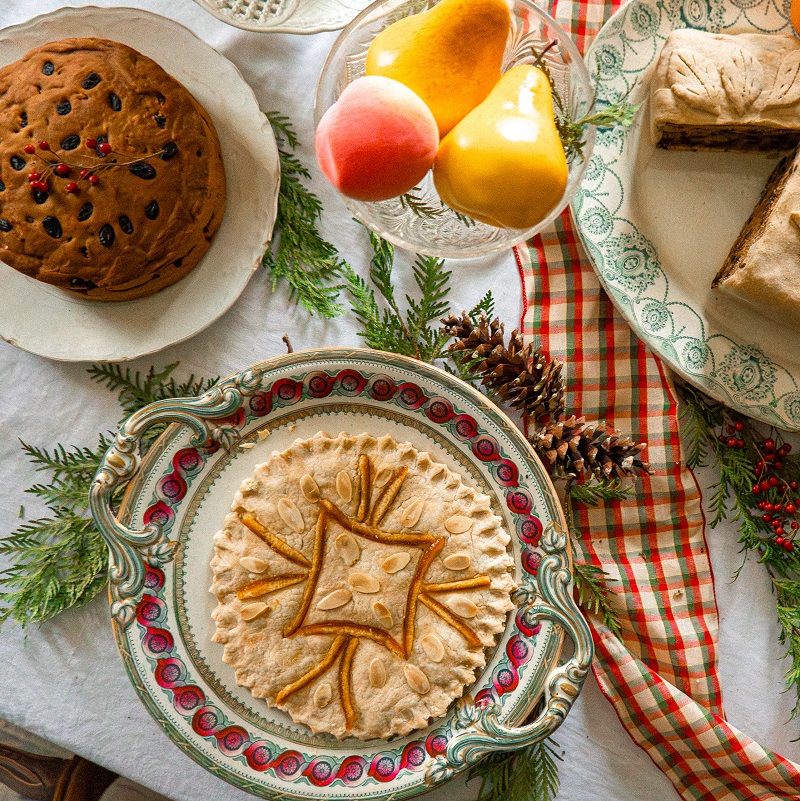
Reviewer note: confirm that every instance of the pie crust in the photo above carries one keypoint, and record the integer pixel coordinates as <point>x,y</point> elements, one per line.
<point>359,584</point>
<point>763,265</point>
<point>735,92</point>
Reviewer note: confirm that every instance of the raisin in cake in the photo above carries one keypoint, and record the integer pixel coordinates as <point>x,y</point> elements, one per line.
<point>111,177</point>
<point>763,266</point>
<point>714,91</point>
<point>359,584</point>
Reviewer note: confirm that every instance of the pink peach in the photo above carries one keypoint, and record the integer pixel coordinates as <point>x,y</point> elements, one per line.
<point>377,140</point>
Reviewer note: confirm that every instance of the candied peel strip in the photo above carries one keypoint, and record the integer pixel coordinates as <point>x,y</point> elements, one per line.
<point>387,498</point>
<point>317,670</point>
<point>414,590</point>
<point>276,543</point>
<point>372,533</point>
<point>354,630</point>
<point>364,482</point>
<point>272,584</point>
<point>461,584</point>
<point>445,614</point>
<point>345,683</point>
<point>313,575</point>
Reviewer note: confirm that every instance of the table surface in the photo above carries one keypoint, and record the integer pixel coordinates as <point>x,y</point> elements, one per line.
<point>65,681</point>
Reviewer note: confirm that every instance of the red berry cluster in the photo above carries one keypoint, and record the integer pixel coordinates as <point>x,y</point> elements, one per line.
<point>733,437</point>
<point>38,181</point>
<point>780,504</point>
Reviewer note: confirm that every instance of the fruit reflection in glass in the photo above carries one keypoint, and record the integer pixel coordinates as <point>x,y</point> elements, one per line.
<point>475,206</point>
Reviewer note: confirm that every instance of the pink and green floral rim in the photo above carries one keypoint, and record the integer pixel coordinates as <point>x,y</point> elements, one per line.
<point>177,496</point>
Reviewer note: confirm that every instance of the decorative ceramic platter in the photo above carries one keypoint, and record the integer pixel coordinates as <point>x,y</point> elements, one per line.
<point>161,546</point>
<point>82,330</point>
<point>658,224</point>
<point>285,16</point>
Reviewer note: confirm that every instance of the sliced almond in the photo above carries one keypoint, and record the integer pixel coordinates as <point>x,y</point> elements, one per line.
<point>363,582</point>
<point>263,434</point>
<point>457,561</point>
<point>309,488</point>
<point>335,599</point>
<point>247,446</point>
<point>383,475</point>
<point>458,524</point>
<point>253,564</point>
<point>463,607</point>
<point>348,548</point>
<point>412,513</point>
<point>323,695</point>
<point>383,614</point>
<point>290,515</point>
<point>396,562</point>
<point>344,485</point>
<point>433,647</point>
<point>252,611</point>
<point>377,672</point>
<point>416,679</point>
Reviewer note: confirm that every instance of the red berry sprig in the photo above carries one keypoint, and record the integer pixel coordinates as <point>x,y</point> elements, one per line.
<point>779,505</point>
<point>63,169</point>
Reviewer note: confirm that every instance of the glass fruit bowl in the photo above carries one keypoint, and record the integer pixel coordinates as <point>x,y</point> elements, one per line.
<point>418,220</point>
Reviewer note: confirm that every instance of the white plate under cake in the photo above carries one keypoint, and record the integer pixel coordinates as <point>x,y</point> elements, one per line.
<point>359,583</point>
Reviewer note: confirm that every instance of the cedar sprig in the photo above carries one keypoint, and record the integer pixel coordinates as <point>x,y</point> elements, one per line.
<point>309,263</point>
<point>594,596</point>
<point>746,454</point>
<point>60,560</point>
<point>385,326</point>
<point>529,774</point>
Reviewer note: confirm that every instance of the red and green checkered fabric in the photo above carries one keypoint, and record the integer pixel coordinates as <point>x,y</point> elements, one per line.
<point>662,678</point>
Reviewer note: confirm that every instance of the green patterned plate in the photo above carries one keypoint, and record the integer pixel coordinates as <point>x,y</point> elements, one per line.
<point>177,497</point>
<point>658,224</point>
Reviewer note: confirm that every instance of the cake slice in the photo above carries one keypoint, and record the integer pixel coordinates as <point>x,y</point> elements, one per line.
<point>763,266</point>
<point>733,92</point>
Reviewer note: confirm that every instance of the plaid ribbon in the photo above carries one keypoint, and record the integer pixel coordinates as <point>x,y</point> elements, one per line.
<point>662,677</point>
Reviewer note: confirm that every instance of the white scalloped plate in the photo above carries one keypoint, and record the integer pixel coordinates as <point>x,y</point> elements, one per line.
<point>285,16</point>
<point>75,329</point>
<point>658,224</point>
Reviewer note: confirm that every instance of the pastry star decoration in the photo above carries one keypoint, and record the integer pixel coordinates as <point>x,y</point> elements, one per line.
<point>373,505</point>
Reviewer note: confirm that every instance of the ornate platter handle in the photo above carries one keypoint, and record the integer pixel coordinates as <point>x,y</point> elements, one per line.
<point>479,730</point>
<point>131,549</point>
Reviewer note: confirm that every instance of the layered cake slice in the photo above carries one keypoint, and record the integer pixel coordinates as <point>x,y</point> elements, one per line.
<point>733,92</point>
<point>763,266</point>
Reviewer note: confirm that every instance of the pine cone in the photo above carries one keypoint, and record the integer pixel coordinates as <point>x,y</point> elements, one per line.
<point>517,373</point>
<point>569,447</point>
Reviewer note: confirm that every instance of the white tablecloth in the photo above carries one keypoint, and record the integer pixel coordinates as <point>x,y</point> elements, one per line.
<point>66,682</point>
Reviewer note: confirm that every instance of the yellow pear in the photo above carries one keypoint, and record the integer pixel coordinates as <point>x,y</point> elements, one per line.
<point>450,55</point>
<point>504,163</point>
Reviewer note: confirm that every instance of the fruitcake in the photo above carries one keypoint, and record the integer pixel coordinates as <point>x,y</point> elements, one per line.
<point>112,184</point>
<point>735,92</point>
<point>359,584</point>
<point>763,265</point>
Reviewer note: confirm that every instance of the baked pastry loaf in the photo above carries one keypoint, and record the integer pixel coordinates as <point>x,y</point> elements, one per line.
<point>714,91</point>
<point>359,584</point>
<point>131,185</point>
<point>763,266</point>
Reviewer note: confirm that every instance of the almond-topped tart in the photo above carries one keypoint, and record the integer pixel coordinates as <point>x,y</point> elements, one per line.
<point>359,583</point>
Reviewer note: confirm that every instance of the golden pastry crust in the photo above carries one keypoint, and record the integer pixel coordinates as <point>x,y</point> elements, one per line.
<point>714,91</point>
<point>359,584</point>
<point>147,222</point>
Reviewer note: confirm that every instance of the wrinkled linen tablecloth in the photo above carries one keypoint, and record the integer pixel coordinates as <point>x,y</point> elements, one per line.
<point>66,682</point>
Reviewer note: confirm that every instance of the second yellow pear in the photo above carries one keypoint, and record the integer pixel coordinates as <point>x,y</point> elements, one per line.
<point>504,163</point>
<point>450,55</point>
